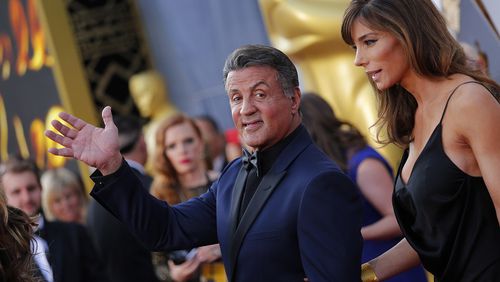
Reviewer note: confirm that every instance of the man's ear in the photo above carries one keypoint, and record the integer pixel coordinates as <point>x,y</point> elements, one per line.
<point>296,99</point>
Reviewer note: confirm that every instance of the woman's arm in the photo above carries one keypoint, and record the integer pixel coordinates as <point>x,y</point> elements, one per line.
<point>396,260</point>
<point>476,115</point>
<point>376,184</point>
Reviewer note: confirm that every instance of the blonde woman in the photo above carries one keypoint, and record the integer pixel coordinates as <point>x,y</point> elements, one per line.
<point>62,196</point>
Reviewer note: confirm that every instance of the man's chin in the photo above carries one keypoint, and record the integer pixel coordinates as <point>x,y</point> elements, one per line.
<point>31,212</point>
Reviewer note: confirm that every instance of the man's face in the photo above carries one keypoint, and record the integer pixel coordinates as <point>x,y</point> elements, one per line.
<point>261,112</point>
<point>22,191</point>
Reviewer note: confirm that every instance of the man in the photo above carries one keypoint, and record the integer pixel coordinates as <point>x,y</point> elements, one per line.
<point>63,251</point>
<point>284,212</point>
<point>125,258</point>
<point>214,141</point>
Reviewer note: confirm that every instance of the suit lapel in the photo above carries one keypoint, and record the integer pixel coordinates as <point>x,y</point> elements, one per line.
<point>263,192</point>
<point>238,187</point>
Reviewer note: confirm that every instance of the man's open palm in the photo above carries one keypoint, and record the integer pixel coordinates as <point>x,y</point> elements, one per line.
<point>97,147</point>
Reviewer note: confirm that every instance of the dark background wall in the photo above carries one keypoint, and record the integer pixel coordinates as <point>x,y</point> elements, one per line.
<point>189,41</point>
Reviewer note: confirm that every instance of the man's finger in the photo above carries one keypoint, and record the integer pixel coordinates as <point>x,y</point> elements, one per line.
<point>63,152</point>
<point>58,126</point>
<point>107,116</point>
<point>64,130</point>
<point>72,120</point>
<point>59,139</point>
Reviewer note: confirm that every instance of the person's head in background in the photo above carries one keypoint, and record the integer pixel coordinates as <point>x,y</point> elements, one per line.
<point>131,138</point>
<point>475,58</point>
<point>264,96</point>
<point>416,44</point>
<point>20,181</point>
<point>179,153</point>
<point>16,232</point>
<point>213,139</point>
<point>63,198</point>
<point>337,138</point>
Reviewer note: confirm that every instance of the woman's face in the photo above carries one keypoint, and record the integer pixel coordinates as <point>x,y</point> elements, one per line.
<point>183,148</point>
<point>67,205</point>
<point>380,54</point>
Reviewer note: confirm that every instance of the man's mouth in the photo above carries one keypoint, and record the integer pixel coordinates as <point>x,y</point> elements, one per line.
<point>252,124</point>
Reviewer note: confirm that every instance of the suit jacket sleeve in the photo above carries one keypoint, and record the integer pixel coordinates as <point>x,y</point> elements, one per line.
<point>329,226</point>
<point>154,222</point>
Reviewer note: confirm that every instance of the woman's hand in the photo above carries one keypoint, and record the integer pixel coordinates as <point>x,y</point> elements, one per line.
<point>184,271</point>
<point>209,253</point>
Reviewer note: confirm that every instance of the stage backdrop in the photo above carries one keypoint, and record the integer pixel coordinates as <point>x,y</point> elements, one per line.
<point>30,88</point>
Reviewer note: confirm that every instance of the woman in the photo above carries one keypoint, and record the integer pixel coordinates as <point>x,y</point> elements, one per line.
<point>16,232</point>
<point>368,169</point>
<point>181,173</point>
<point>62,196</point>
<point>447,192</point>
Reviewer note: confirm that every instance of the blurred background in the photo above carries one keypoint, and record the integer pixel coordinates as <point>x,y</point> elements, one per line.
<point>79,55</point>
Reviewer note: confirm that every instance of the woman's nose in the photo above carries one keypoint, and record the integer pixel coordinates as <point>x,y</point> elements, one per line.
<point>359,60</point>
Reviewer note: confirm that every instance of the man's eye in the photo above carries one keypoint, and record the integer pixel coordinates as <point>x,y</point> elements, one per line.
<point>32,188</point>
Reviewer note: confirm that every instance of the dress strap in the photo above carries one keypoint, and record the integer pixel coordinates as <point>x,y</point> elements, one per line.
<point>453,92</point>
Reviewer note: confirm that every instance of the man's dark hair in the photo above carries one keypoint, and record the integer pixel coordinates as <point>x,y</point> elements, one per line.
<point>262,55</point>
<point>129,131</point>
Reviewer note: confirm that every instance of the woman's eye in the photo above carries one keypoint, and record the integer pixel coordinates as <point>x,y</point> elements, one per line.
<point>189,141</point>
<point>370,42</point>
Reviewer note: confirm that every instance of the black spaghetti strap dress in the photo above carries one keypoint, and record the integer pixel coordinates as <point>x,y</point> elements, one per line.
<point>447,216</point>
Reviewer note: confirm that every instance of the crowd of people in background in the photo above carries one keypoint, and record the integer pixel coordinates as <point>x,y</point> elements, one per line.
<point>51,231</point>
<point>57,233</point>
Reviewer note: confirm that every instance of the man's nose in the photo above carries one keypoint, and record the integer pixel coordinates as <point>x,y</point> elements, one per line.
<point>247,107</point>
<point>25,196</point>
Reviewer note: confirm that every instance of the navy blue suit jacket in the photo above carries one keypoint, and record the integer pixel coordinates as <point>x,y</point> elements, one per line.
<point>125,258</point>
<point>303,221</point>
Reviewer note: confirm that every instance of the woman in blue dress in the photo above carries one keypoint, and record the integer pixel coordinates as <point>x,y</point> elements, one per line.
<point>368,169</point>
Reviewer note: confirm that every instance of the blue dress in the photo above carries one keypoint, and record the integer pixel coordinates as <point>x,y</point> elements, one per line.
<point>374,248</point>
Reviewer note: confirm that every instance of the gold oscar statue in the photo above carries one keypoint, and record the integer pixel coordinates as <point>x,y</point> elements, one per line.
<point>309,32</point>
<point>150,95</point>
